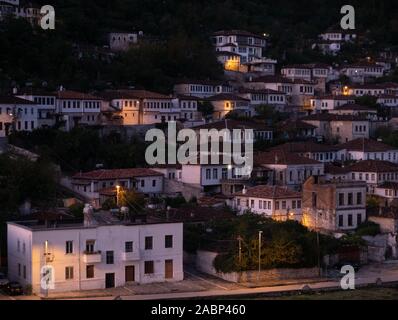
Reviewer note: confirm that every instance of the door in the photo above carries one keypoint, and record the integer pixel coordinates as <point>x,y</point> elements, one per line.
<point>109,280</point>
<point>168,266</point>
<point>130,273</point>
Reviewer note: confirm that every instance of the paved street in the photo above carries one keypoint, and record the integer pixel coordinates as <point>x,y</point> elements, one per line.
<point>198,285</point>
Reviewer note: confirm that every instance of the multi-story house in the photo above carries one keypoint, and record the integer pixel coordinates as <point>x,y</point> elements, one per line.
<point>188,106</point>
<point>366,149</point>
<point>330,102</point>
<point>333,206</point>
<point>296,129</point>
<point>309,149</point>
<point>90,184</point>
<point>374,89</point>
<point>373,172</point>
<point>330,42</point>
<point>354,109</point>
<point>17,114</point>
<point>103,251</point>
<point>279,203</point>
<point>229,60</point>
<point>248,45</point>
<point>46,106</point>
<point>298,91</point>
<point>287,169</point>
<point>342,128</point>
<point>269,97</point>
<point>76,108</point>
<point>388,100</point>
<point>201,88</point>
<point>122,41</point>
<point>225,103</point>
<point>388,191</point>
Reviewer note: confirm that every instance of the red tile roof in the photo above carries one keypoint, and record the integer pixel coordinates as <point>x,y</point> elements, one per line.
<point>303,147</point>
<point>269,192</point>
<point>373,166</point>
<point>111,174</point>
<point>14,100</point>
<point>365,145</point>
<point>67,94</point>
<point>226,96</point>
<point>133,94</point>
<point>234,124</point>
<point>281,157</point>
<point>355,107</point>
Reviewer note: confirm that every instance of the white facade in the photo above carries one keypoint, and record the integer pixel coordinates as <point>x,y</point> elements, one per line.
<point>84,257</point>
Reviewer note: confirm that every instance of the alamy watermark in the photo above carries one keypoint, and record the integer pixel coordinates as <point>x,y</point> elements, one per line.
<point>184,147</point>
<point>348,20</point>
<point>47,21</point>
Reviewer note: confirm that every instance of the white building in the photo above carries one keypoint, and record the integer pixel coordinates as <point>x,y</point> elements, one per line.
<point>248,45</point>
<point>46,106</point>
<point>121,41</point>
<point>269,97</point>
<point>201,88</point>
<point>366,149</point>
<point>91,184</point>
<point>17,114</point>
<point>280,203</point>
<point>76,108</point>
<point>102,252</point>
<point>330,102</point>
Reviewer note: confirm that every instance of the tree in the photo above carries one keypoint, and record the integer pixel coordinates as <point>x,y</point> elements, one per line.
<point>206,108</point>
<point>133,200</point>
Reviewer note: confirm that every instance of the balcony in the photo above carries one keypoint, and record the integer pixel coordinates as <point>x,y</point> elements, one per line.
<point>130,256</point>
<point>92,257</point>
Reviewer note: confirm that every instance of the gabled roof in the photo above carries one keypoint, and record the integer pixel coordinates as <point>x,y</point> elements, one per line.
<point>233,124</point>
<point>281,157</point>
<point>14,100</point>
<point>260,91</point>
<point>237,33</point>
<point>269,192</point>
<point>333,117</point>
<point>365,145</point>
<point>335,97</point>
<point>111,174</point>
<point>68,94</point>
<point>289,125</point>
<point>389,185</point>
<point>355,107</point>
<point>133,94</point>
<point>373,166</point>
<point>226,96</point>
<point>303,147</point>
<point>332,169</point>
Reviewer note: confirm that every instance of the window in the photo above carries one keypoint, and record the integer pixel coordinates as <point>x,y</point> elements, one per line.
<point>148,243</point>
<point>24,272</point>
<point>283,204</point>
<point>276,205</point>
<point>68,273</point>
<point>18,245</point>
<point>298,204</point>
<point>19,269</point>
<point>359,198</point>
<point>128,246</point>
<point>69,247</point>
<point>90,246</point>
<point>208,174</point>
<point>215,174</point>
<point>350,199</point>
<point>252,204</point>
<point>341,221</point>
<point>149,267</point>
<point>89,271</point>
<point>341,199</point>
<point>168,241</point>
<point>294,204</point>
<point>350,220</point>
<point>153,183</point>
<point>109,257</point>
<point>142,183</point>
<point>359,219</point>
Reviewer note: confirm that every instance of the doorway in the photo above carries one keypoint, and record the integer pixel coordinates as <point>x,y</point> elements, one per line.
<point>109,280</point>
<point>129,273</point>
<point>168,269</point>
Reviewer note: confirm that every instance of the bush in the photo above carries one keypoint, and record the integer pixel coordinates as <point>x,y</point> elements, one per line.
<point>368,228</point>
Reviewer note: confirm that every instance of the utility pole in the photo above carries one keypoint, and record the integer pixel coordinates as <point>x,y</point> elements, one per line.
<point>259,255</point>
<point>317,243</point>
<point>240,252</point>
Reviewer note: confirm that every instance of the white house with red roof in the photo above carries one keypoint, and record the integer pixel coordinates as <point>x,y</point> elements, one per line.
<point>276,99</point>
<point>279,203</point>
<point>366,149</point>
<point>77,108</point>
<point>329,102</point>
<point>287,169</point>
<point>91,184</point>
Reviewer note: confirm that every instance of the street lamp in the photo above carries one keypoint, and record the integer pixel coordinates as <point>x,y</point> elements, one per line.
<point>259,254</point>
<point>117,195</point>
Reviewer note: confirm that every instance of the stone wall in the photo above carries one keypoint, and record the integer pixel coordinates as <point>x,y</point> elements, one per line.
<point>204,263</point>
